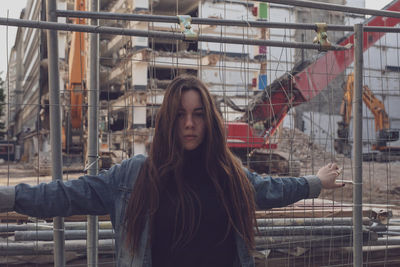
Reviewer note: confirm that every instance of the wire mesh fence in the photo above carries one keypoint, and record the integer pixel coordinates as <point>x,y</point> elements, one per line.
<point>287,111</point>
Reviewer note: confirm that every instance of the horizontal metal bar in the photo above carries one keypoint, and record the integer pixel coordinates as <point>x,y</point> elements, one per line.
<point>308,221</point>
<point>335,7</point>
<point>116,16</point>
<point>10,248</point>
<point>107,245</point>
<point>47,235</point>
<point>308,241</point>
<point>306,230</point>
<point>392,233</point>
<point>386,241</point>
<point>210,21</point>
<point>49,226</point>
<point>381,29</point>
<point>158,34</point>
<point>195,20</point>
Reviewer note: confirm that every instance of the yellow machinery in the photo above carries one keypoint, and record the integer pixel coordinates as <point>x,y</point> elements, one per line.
<point>384,133</point>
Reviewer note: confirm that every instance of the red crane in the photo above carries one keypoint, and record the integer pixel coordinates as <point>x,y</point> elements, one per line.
<point>306,81</point>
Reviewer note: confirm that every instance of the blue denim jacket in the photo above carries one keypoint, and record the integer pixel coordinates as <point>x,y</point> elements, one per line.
<point>109,192</point>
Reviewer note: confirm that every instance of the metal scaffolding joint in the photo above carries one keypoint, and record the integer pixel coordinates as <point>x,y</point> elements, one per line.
<point>322,36</point>
<point>95,159</point>
<point>186,27</point>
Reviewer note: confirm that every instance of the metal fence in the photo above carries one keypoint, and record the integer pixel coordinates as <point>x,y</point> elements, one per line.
<point>289,96</point>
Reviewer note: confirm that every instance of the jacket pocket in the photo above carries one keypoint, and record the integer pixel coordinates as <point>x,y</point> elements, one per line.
<point>121,203</point>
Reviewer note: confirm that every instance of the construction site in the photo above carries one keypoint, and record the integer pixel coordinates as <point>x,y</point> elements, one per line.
<point>299,84</point>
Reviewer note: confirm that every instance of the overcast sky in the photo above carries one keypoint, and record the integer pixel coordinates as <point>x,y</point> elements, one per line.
<point>12,9</point>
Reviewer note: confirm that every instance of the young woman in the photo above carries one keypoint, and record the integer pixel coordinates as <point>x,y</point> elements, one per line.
<point>189,203</point>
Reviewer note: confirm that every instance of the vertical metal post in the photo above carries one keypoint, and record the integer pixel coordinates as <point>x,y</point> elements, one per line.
<point>55,126</point>
<point>93,131</point>
<point>357,148</point>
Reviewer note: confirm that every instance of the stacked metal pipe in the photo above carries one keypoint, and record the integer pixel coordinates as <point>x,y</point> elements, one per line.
<point>323,232</point>
<point>281,233</point>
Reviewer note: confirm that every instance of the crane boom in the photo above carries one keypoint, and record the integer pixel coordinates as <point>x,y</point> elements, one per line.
<point>77,69</point>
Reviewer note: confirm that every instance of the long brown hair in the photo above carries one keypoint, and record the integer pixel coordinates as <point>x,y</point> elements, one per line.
<point>166,159</point>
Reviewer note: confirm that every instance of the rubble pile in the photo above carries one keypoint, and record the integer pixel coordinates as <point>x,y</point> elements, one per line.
<point>301,146</point>
<point>379,178</point>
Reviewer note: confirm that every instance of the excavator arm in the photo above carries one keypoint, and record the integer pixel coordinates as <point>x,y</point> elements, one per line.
<point>341,144</point>
<point>309,78</point>
<point>77,69</point>
<point>382,125</point>
<point>377,108</point>
<point>73,126</point>
<point>268,108</point>
<point>383,131</point>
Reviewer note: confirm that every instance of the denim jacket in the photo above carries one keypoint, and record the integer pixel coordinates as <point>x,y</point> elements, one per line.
<point>109,192</point>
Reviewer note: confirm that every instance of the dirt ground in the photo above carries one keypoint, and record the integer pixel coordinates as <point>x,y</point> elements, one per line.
<point>381,181</point>
<point>14,173</point>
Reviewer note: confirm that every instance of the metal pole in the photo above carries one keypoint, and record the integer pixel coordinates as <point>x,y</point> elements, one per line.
<point>93,132</point>
<point>334,7</point>
<point>159,34</point>
<point>195,20</point>
<point>55,126</point>
<point>219,22</point>
<point>357,147</point>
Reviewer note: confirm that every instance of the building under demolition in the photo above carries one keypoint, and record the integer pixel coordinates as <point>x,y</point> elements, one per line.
<point>134,72</point>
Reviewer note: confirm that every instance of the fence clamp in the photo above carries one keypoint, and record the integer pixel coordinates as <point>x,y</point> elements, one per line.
<point>322,36</point>
<point>186,27</point>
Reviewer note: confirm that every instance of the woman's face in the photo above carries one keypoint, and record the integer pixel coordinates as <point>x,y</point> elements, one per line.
<point>191,120</point>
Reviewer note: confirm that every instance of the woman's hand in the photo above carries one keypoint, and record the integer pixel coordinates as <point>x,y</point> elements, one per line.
<point>328,175</point>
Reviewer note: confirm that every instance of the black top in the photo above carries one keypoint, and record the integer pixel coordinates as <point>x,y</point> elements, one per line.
<point>209,245</point>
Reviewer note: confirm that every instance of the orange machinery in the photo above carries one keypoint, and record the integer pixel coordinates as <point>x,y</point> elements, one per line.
<point>73,127</point>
